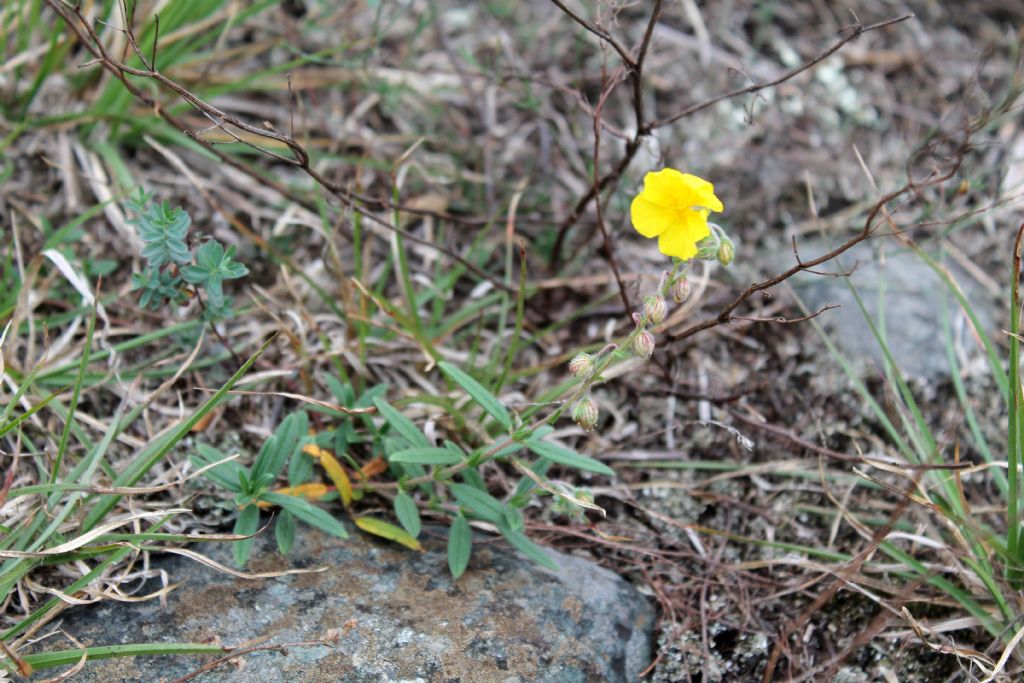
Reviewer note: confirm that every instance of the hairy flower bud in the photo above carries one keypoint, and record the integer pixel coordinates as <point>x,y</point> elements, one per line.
<point>726,252</point>
<point>655,309</point>
<point>582,365</point>
<point>681,290</point>
<point>643,345</point>
<point>585,413</point>
<point>707,248</point>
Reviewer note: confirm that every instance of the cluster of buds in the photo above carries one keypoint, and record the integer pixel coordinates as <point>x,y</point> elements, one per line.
<point>586,367</point>
<point>716,247</point>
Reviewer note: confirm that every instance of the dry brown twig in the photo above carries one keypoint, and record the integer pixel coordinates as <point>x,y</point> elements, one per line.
<point>645,127</point>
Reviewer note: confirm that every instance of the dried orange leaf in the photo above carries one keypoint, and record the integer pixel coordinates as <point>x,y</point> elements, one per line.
<point>314,491</point>
<point>379,527</point>
<point>204,422</point>
<point>376,466</point>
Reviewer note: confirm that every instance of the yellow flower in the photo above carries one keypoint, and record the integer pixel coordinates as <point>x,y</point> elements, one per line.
<point>674,207</point>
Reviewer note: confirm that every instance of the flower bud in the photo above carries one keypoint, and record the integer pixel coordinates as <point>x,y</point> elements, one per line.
<point>707,248</point>
<point>681,290</point>
<point>643,345</point>
<point>726,252</point>
<point>585,413</point>
<point>582,365</point>
<point>655,309</point>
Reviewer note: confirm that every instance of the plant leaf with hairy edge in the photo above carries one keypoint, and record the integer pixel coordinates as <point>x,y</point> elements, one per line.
<point>281,446</point>
<point>308,513</point>
<point>478,393</point>
<point>481,503</point>
<point>247,524</point>
<point>426,456</point>
<point>528,548</point>
<point>407,512</point>
<point>379,527</point>
<point>402,425</point>
<point>569,458</point>
<point>460,546</point>
<point>284,532</point>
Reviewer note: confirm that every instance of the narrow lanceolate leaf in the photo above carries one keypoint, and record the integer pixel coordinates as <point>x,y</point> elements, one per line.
<point>280,447</point>
<point>527,547</point>
<point>379,527</point>
<point>284,532</point>
<point>402,425</point>
<point>460,545</point>
<point>481,503</point>
<point>426,456</point>
<point>481,395</point>
<point>308,513</point>
<point>247,524</point>
<point>334,470</point>
<point>569,458</point>
<point>407,512</point>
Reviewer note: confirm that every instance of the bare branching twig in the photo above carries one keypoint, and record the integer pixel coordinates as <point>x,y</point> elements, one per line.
<point>645,127</point>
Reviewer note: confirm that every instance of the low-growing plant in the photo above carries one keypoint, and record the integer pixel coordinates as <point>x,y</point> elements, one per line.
<point>173,269</point>
<point>446,479</point>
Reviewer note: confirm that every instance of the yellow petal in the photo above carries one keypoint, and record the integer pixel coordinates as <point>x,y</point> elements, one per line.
<point>681,239</point>
<point>650,219</point>
<point>665,186</point>
<point>700,192</point>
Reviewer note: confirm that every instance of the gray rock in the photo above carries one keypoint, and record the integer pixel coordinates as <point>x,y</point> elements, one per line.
<point>394,615</point>
<point>912,297</point>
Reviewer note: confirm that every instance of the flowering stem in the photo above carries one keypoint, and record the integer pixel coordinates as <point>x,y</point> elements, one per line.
<point>610,354</point>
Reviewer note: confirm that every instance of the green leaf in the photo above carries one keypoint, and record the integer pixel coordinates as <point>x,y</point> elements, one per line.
<point>460,546</point>
<point>402,425</point>
<point>49,660</point>
<point>224,475</point>
<point>213,265</point>
<point>426,456</point>
<point>163,232</point>
<point>528,548</point>
<point>481,503</point>
<point>307,512</point>
<point>379,527</point>
<point>407,512</point>
<point>248,523</point>
<point>284,532</point>
<point>280,447</point>
<point>569,458</point>
<point>481,395</point>
<point>156,450</point>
